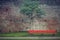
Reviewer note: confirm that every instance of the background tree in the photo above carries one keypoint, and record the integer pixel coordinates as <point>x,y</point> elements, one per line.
<point>31,8</point>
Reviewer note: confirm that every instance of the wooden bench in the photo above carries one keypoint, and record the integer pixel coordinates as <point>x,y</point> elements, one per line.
<point>42,31</point>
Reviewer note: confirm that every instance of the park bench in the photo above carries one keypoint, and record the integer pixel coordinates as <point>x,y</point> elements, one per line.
<point>42,31</point>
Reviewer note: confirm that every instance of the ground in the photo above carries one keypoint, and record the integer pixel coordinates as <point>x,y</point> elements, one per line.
<point>25,34</point>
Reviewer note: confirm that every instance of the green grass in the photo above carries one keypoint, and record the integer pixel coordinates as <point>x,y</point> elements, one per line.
<point>24,34</point>
<point>16,34</point>
<point>58,34</point>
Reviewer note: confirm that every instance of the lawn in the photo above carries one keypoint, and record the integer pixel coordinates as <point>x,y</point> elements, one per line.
<point>14,34</point>
<point>24,34</point>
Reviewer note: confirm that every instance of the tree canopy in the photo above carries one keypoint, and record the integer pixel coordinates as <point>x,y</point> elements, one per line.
<point>31,8</point>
